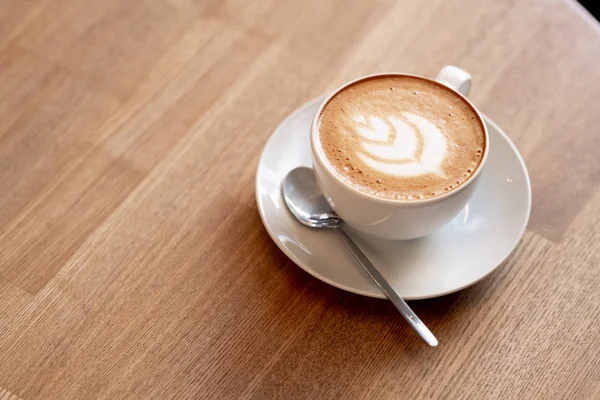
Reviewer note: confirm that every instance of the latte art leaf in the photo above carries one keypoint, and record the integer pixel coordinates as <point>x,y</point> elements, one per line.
<point>410,147</point>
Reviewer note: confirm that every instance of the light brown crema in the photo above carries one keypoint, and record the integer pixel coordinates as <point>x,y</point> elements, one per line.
<point>400,137</point>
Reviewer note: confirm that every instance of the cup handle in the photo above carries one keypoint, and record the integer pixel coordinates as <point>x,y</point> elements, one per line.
<point>455,78</point>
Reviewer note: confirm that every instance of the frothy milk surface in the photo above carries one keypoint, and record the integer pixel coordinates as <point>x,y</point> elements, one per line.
<point>400,137</point>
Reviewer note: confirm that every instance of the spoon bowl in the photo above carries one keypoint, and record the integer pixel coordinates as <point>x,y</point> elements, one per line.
<point>304,199</point>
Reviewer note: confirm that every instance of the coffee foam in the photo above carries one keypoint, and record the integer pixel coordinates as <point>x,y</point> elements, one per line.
<point>401,137</point>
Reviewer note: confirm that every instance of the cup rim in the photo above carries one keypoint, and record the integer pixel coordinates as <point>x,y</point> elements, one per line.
<point>318,155</point>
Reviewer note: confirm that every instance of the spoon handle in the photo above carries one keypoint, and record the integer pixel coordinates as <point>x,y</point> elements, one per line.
<point>385,287</point>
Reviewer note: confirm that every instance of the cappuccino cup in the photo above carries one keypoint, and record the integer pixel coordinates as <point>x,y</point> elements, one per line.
<point>398,156</point>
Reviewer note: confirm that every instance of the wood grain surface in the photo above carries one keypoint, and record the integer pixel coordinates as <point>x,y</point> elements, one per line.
<point>133,262</point>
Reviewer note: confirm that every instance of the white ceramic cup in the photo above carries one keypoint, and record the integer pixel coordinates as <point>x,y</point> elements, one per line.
<point>396,219</point>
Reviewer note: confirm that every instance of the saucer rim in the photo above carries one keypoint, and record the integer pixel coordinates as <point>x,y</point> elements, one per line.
<point>380,294</point>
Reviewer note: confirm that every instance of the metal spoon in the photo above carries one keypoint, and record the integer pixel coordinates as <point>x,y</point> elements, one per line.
<point>306,202</point>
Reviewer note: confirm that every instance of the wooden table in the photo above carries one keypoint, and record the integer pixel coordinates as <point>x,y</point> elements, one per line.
<point>133,262</point>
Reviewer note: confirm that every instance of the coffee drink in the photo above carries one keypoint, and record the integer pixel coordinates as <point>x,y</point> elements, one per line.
<point>401,137</point>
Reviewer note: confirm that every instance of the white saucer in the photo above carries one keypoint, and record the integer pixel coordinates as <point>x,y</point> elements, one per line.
<point>461,253</point>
